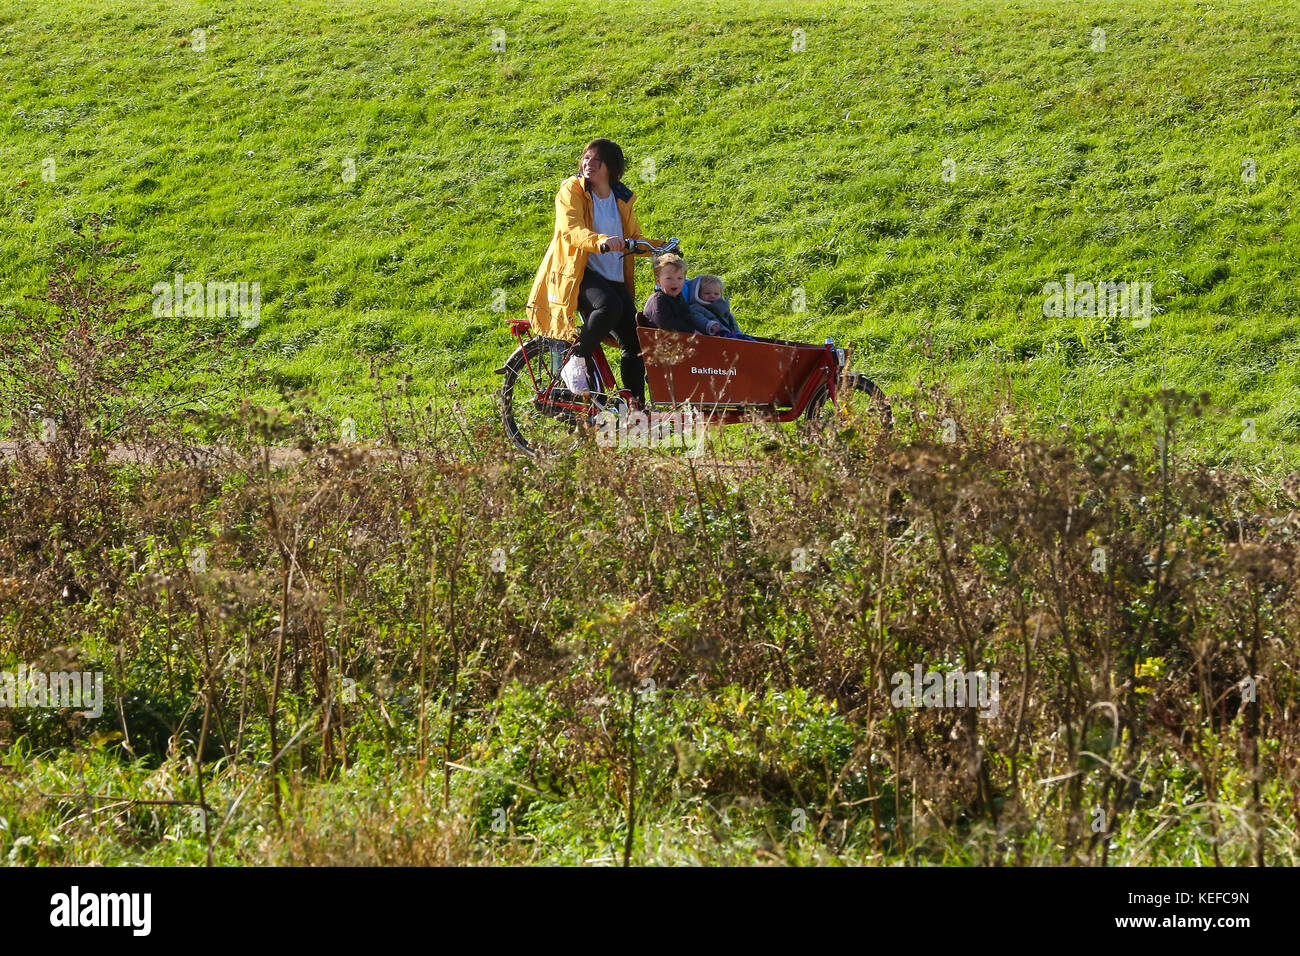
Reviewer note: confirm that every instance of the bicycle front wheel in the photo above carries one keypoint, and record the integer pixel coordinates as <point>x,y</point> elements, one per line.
<point>859,405</point>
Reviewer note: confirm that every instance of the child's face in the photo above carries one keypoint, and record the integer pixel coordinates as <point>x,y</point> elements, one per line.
<point>710,294</point>
<point>671,281</point>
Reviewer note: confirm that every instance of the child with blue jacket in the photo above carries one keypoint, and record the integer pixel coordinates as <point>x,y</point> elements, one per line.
<point>710,312</point>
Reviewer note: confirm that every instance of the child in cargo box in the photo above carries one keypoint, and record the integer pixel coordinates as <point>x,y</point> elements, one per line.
<point>710,312</point>
<point>689,305</point>
<point>666,308</point>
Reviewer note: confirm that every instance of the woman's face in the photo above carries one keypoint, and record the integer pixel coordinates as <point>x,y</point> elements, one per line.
<point>594,169</point>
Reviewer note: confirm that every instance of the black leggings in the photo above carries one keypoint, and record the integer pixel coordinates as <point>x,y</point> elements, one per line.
<point>609,310</point>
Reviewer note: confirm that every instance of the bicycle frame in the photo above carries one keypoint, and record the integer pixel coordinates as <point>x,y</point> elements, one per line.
<point>825,374</point>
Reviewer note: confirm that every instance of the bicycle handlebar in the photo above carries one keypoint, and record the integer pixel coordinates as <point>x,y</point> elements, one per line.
<point>640,245</point>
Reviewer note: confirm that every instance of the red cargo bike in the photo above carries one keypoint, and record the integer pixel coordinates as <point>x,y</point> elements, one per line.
<point>718,381</point>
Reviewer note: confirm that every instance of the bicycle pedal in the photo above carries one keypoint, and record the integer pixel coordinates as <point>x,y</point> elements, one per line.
<point>561,396</point>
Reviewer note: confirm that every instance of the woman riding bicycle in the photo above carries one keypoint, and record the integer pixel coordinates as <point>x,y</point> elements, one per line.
<point>586,269</point>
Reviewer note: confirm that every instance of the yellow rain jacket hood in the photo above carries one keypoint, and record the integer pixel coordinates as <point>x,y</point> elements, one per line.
<point>553,301</point>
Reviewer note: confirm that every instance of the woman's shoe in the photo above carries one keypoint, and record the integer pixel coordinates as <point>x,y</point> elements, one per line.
<point>574,375</point>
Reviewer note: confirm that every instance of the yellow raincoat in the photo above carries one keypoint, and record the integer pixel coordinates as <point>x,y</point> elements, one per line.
<point>553,301</point>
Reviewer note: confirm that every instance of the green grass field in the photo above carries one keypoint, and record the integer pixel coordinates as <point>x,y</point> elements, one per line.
<point>920,173</point>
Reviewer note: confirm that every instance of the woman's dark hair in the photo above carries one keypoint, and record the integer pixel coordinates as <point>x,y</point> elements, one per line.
<point>608,152</point>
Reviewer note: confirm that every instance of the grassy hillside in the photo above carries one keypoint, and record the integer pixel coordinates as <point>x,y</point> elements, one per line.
<point>1115,157</point>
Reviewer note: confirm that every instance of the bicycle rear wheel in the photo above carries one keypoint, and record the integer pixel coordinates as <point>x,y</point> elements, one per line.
<point>541,426</point>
